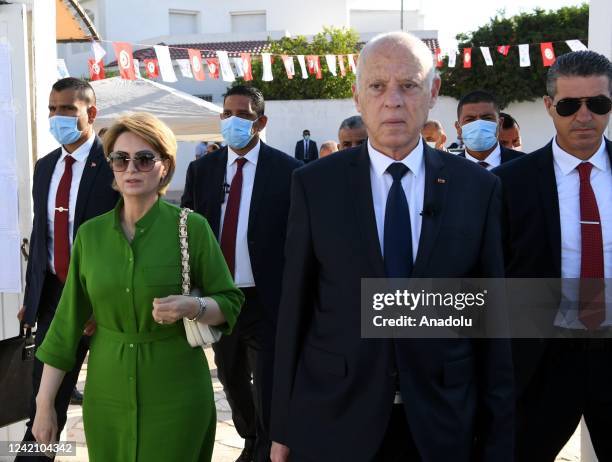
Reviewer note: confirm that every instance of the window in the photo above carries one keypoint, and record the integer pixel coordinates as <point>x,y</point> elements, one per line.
<point>248,21</point>
<point>208,98</point>
<point>183,22</point>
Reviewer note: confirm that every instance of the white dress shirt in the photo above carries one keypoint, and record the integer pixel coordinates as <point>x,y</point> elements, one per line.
<point>568,190</point>
<point>413,184</point>
<point>493,159</point>
<point>80,156</point>
<point>243,274</point>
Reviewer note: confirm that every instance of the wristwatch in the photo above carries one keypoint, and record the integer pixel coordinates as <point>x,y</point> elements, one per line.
<point>203,304</point>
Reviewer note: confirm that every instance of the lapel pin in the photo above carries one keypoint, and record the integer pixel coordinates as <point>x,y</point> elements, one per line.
<point>441,181</point>
<point>93,164</point>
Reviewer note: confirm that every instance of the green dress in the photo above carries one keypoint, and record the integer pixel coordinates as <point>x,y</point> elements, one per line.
<point>148,395</point>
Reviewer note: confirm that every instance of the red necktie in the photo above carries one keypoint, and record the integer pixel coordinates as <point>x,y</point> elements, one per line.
<point>483,164</point>
<point>591,307</point>
<point>61,239</point>
<point>230,222</point>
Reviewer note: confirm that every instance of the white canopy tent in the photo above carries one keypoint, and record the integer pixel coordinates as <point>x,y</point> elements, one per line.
<point>191,118</point>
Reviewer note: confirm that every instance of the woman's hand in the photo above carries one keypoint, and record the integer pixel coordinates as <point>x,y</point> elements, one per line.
<point>44,428</point>
<point>170,309</point>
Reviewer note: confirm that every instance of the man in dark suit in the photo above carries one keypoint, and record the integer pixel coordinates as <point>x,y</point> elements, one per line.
<point>71,185</point>
<point>478,125</point>
<point>557,208</point>
<point>306,149</point>
<point>243,191</point>
<point>392,207</point>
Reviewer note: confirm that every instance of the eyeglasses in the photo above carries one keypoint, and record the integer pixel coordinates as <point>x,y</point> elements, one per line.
<point>596,104</point>
<point>144,161</point>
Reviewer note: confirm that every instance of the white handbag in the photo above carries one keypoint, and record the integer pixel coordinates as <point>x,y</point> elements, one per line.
<point>198,334</point>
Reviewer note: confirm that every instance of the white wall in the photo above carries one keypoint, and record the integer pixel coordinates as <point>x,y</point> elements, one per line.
<point>385,20</point>
<point>287,119</point>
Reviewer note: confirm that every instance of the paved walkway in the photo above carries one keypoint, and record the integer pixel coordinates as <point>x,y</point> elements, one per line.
<point>228,444</point>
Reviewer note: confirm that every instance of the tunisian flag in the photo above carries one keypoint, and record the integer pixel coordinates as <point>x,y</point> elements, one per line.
<point>467,58</point>
<point>125,61</point>
<point>213,67</point>
<point>439,60</point>
<point>195,58</point>
<point>503,49</point>
<point>246,66</point>
<point>152,68</point>
<point>314,65</point>
<point>548,54</point>
<point>96,69</point>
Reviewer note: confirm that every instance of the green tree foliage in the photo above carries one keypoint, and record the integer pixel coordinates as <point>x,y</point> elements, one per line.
<point>505,78</point>
<point>338,41</point>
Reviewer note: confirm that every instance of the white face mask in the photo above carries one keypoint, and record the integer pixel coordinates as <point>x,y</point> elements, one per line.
<point>431,144</point>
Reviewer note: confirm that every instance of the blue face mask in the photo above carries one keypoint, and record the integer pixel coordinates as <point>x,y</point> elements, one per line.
<point>64,129</point>
<point>236,131</point>
<point>479,135</point>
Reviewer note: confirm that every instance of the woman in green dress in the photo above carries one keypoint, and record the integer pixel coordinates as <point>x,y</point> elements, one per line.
<point>148,394</point>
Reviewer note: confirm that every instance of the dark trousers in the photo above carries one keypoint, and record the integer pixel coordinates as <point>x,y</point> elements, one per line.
<point>573,379</point>
<point>51,293</point>
<point>244,368</point>
<point>397,445</point>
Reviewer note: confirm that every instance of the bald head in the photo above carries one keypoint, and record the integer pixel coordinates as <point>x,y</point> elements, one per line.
<point>402,45</point>
<point>327,148</point>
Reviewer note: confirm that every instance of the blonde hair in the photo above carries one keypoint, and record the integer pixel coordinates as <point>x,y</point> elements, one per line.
<point>154,132</point>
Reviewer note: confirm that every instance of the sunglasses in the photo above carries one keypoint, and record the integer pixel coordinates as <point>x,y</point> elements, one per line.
<point>596,104</point>
<point>144,161</point>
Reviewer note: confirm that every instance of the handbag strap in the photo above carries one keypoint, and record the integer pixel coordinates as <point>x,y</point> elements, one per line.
<point>183,239</point>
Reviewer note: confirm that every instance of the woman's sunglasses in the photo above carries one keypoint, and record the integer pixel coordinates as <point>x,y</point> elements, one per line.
<point>144,161</point>
<point>596,104</point>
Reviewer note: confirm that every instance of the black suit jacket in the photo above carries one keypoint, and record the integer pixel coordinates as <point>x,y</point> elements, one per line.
<point>333,390</point>
<point>267,214</point>
<point>531,236</point>
<point>506,154</point>
<point>312,154</point>
<point>95,196</point>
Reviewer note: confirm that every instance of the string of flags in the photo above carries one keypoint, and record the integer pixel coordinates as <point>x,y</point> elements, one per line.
<point>226,68</point>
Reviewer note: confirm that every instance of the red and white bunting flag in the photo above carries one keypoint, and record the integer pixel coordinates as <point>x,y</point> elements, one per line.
<point>341,65</point>
<point>314,66</point>
<point>352,63</point>
<point>246,66</point>
<point>96,69</point>
<point>266,59</point>
<point>439,60</point>
<point>152,68</point>
<point>524,60</point>
<point>467,58</point>
<point>503,49</point>
<point>213,67</point>
<point>303,68</point>
<point>548,54</point>
<point>289,66</point>
<point>164,63</point>
<point>576,45</point>
<point>195,58</point>
<point>185,68</point>
<point>137,69</point>
<point>226,68</point>
<point>123,54</point>
<point>238,67</point>
<point>452,58</point>
<point>486,54</point>
<point>331,64</point>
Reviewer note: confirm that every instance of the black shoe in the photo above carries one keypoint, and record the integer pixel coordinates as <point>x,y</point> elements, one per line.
<point>247,453</point>
<point>76,398</point>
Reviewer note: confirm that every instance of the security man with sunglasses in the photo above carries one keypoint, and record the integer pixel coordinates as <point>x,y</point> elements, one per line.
<point>71,185</point>
<point>557,205</point>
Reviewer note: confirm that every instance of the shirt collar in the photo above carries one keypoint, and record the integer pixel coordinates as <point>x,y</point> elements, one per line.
<point>252,156</point>
<point>145,222</point>
<point>380,162</point>
<point>80,154</point>
<point>493,159</point>
<point>567,162</point>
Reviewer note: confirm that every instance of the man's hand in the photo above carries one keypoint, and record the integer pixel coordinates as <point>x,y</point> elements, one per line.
<point>20,315</point>
<point>90,327</point>
<point>279,452</point>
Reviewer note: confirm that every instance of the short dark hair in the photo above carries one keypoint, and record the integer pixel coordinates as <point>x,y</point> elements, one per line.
<point>583,63</point>
<point>254,94</point>
<point>306,131</point>
<point>84,91</point>
<point>351,122</point>
<point>509,121</point>
<point>477,96</point>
